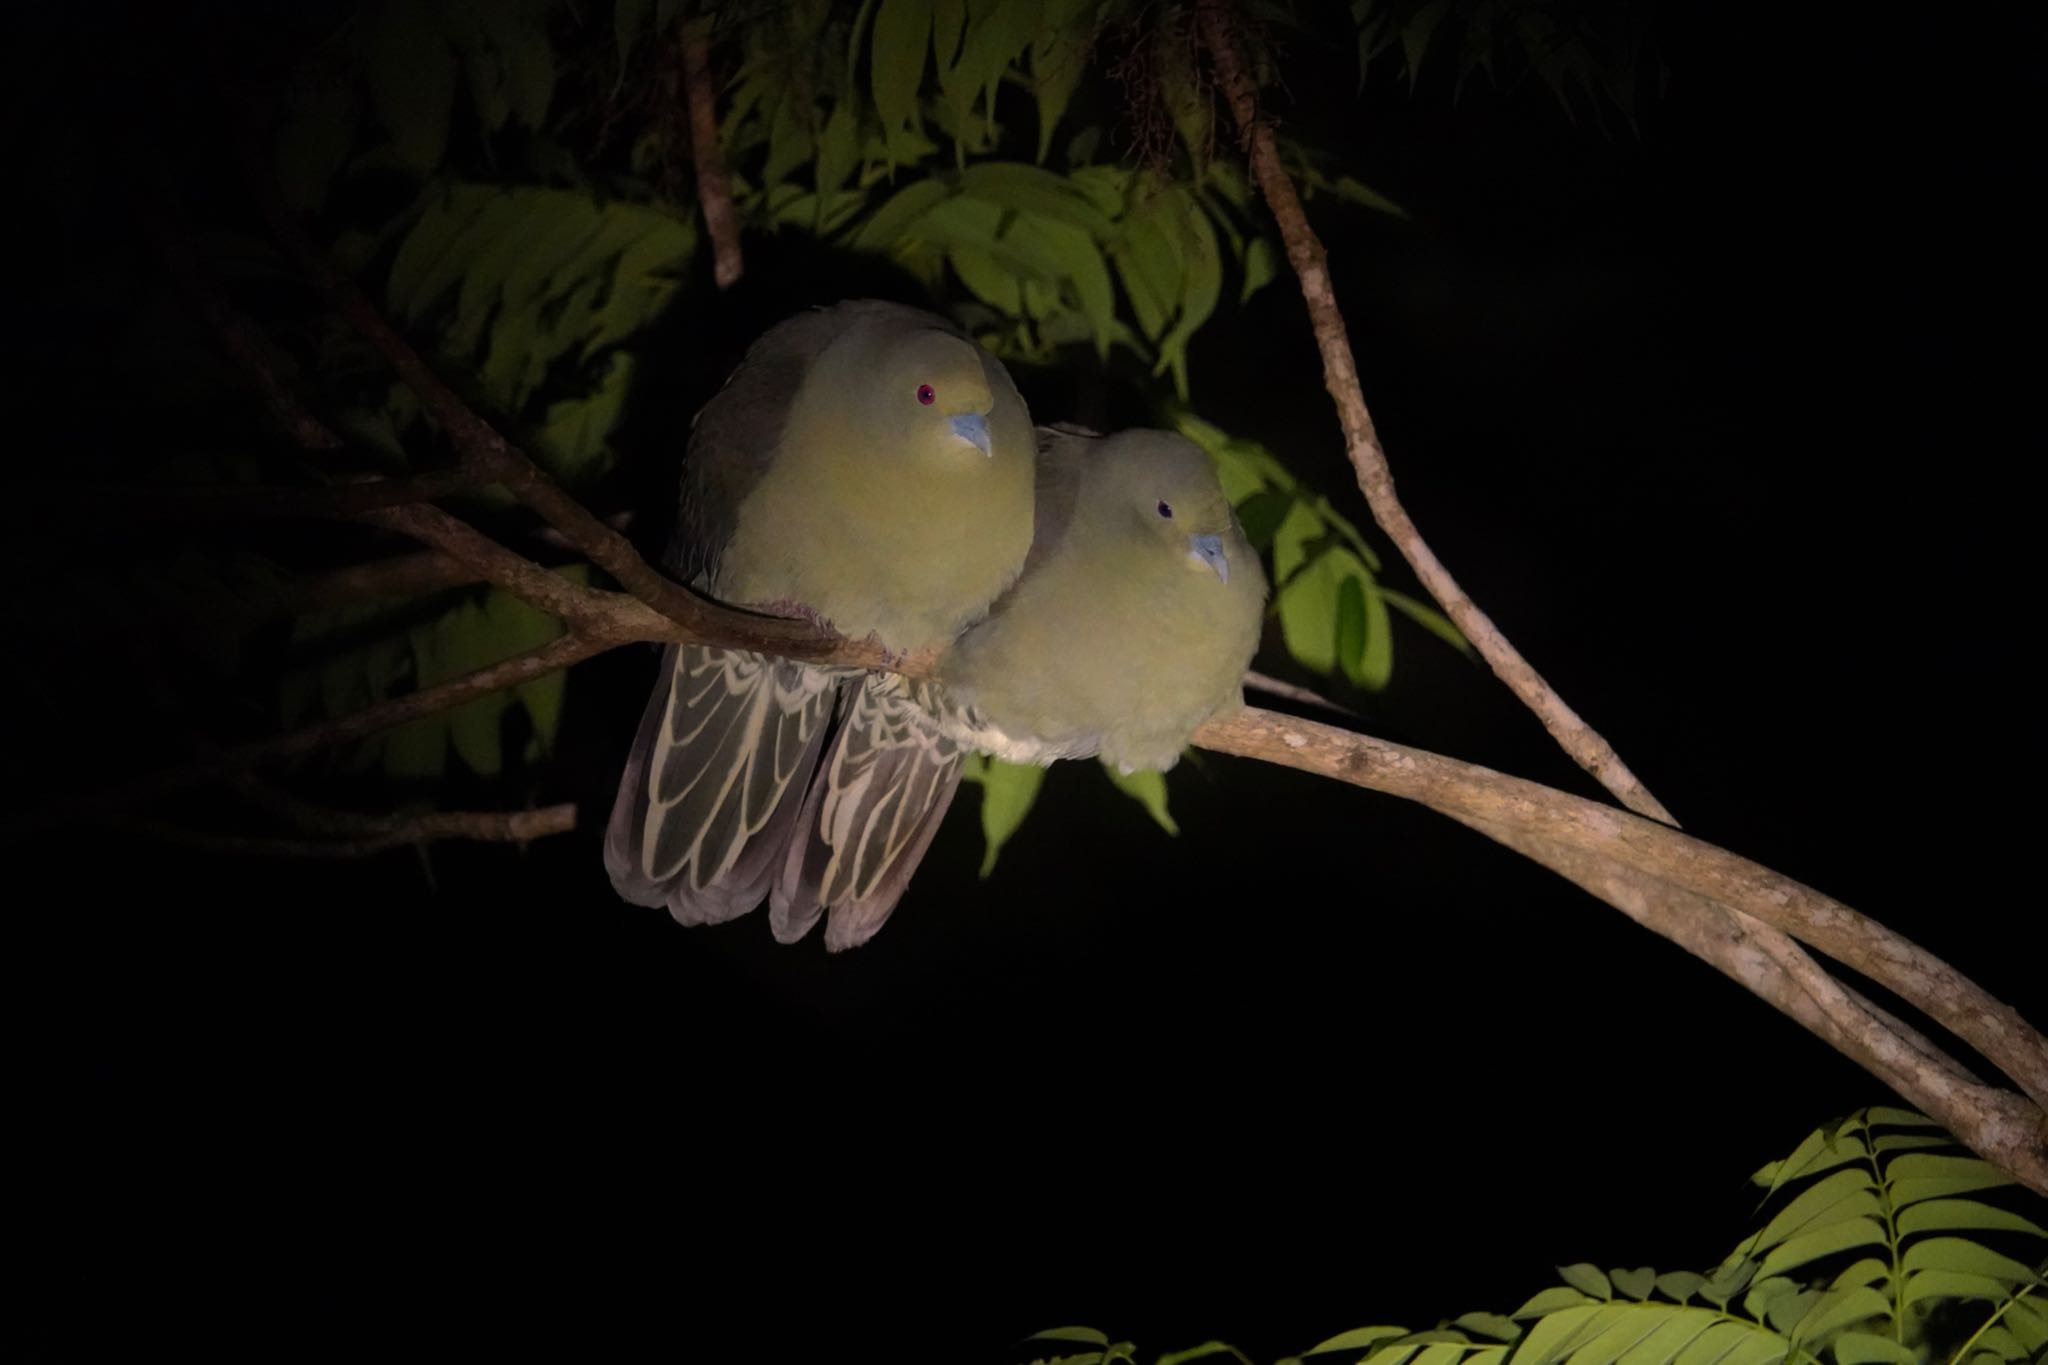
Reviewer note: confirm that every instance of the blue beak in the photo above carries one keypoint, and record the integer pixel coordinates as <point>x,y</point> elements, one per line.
<point>972,428</point>
<point>1209,549</point>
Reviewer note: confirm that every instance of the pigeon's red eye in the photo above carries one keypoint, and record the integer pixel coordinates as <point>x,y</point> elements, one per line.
<point>925,395</point>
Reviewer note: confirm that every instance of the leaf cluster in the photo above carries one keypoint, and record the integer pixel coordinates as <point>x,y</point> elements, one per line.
<point>1886,1244</point>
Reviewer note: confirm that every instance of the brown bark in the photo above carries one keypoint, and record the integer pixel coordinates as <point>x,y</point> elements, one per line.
<point>714,190</point>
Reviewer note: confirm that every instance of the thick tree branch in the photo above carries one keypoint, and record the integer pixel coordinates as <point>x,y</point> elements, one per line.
<point>714,190</point>
<point>1930,985</point>
<point>1340,375</point>
<point>1994,1122</point>
<point>594,612</point>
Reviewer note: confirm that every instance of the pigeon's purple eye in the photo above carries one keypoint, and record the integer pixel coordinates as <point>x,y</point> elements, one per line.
<point>925,395</point>
<point>1166,511</point>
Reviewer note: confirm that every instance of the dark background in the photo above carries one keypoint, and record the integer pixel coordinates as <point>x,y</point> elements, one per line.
<point>1730,425</point>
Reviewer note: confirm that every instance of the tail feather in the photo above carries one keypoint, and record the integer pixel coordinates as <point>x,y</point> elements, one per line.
<point>716,780</point>
<point>872,810</point>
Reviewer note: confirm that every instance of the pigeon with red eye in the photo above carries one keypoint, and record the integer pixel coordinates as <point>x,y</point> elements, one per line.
<point>868,467</point>
<point>1134,619</point>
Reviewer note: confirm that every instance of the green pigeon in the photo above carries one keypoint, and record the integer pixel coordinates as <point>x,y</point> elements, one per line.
<point>1136,615</point>
<point>870,468</point>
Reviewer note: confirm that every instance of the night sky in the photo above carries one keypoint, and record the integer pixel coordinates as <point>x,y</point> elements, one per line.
<point>1728,424</point>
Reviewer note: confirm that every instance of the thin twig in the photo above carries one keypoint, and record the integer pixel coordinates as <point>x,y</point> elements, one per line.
<point>239,337</point>
<point>390,832</point>
<point>714,190</point>
<point>1275,687</point>
<point>557,654</point>
<point>1375,479</point>
<point>255,501</point>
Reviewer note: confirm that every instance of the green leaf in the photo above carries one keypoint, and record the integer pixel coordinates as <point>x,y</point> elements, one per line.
<point>1259,268</point>
<point>1551,1300</point>
<point>1067,253</point>
<point>1864,1348</point>
<point>1951,1215</point>
<point>838,147</point>
<point>1082,1334</point>
<point>1917,1176</point>
<point>519,31</point>
<point>1351,628</point>
<point>1587,1279</point>
<point>988,280</point>
<point>434,254</point>
<point>1834,1237</point>
<point>1007,791</point>
<point>1356,1339</point>
<point>1376,664</point>
<point>1309,604</point>
<point>1208,1350</point>
<point>1059,58</point>
<point>949,20</point>
<point>1148,258</point>
<point>1201,286</point>
<point>1428,617</point>
<point>1845,1194</point>
<point>1636,1283</point>
<point>1838,1309</point>
<point>411,73</point>
<point>900,214</point>
<point>790,140</point>
<point>1032,189</point>
<point>902,35</point>
<point>1148,789</point>
<point>1869,1270</point>
<point>1489,1325</point>
<point>1679,1285</point>
<point>998,39</point>
<point>1728,1281</point>
<point>1963,1256</point>
<point>1765,1292</point>
<point>1951,1284</point>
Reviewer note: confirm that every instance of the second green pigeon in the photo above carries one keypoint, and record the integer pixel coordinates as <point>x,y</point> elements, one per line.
<point>1133,622</point>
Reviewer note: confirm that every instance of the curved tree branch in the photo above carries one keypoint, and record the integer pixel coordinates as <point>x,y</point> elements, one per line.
<point>1375,479</point>
<point>1462,789</point>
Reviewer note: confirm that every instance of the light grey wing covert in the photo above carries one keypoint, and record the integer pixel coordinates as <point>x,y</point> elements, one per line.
<point>872,810</point>
<point>716,780</point>
<point>1062,450</point>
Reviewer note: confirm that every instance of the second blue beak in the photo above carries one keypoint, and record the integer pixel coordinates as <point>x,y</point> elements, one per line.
<point>1209,549</point>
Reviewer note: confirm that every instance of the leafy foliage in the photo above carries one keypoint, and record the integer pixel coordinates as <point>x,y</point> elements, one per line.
<point>1881,1248</point>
